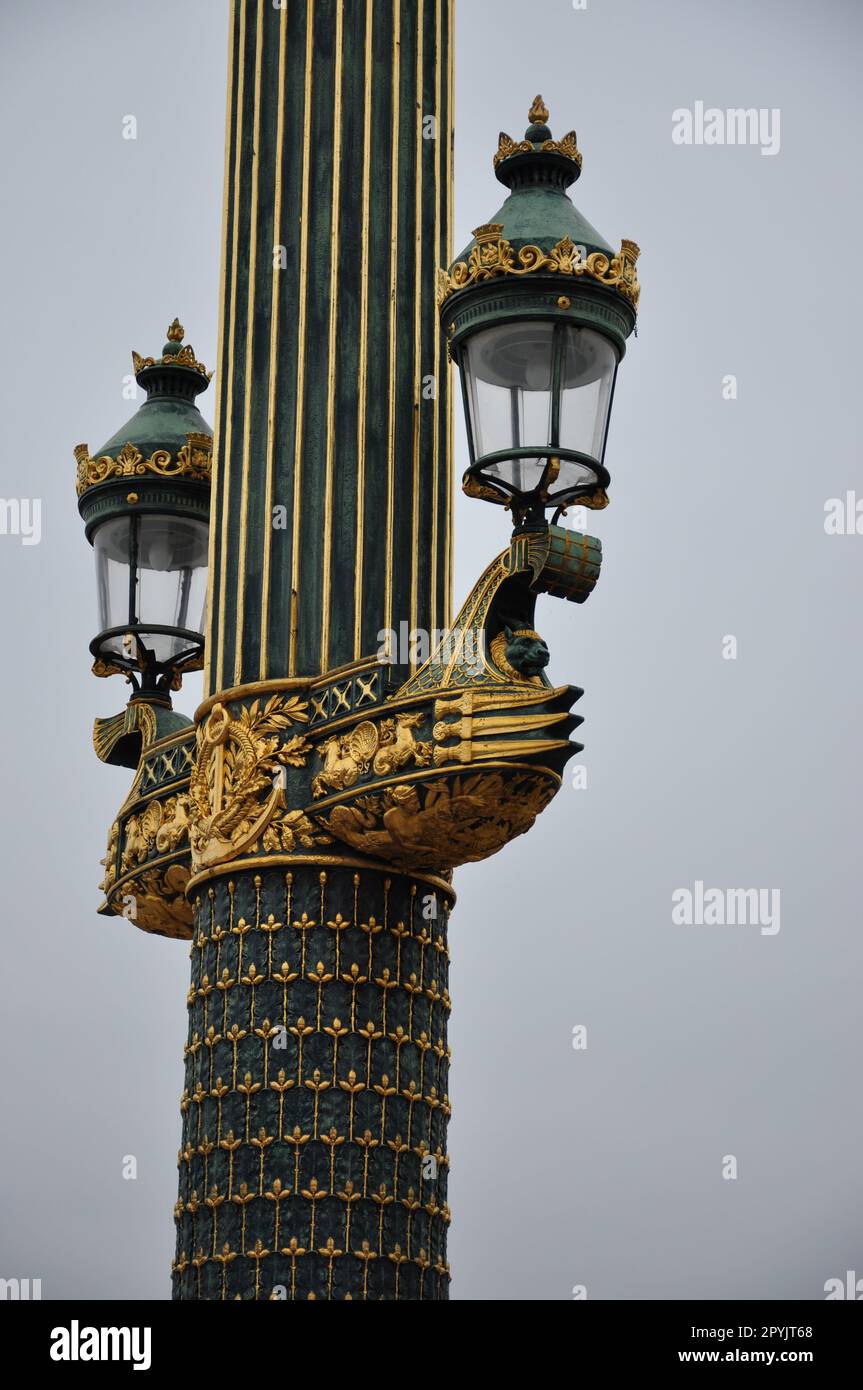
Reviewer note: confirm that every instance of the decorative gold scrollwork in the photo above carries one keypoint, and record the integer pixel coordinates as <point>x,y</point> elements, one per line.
<point>493,255</point>
<point>193,461</point>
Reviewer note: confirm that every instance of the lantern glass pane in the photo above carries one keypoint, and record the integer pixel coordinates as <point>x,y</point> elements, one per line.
<point>111,546</point>
<point>509,376</point>
<point>168,556</point>
<point>172,579</point>
<point>589,364</point>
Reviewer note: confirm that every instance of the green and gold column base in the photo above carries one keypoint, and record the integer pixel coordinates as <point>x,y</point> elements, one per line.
<point>313,1162</point>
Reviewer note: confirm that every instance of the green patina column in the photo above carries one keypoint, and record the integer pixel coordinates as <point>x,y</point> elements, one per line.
<point>313,1161</point>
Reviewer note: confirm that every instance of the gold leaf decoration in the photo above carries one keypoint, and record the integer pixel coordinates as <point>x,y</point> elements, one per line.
<point>238,759</point>
<point>193,461</point>
<point>457,820</point>
<point>493,255</point>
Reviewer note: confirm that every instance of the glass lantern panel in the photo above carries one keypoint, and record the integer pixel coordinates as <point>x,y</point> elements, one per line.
<point>111,545</point>
<point>509,373</point>
<point>172,579</point>
<point>587,376</point>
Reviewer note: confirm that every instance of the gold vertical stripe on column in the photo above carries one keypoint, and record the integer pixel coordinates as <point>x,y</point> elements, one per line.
<point>223,265</point>
<point>450,450</point>
<point>274,349</point>
<point>326,590</point>
<point>364,335</point>
<point>435,506</point>
<point>301,331</point>
<point>229,385</point>
<point>394,240</point>
<point>418,297</point>
<point>249,354</point>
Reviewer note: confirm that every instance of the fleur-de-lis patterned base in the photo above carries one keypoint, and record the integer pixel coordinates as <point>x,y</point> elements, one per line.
<point>313,1162</point>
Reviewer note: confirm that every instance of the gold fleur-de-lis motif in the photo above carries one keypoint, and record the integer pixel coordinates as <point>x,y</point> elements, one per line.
<point>224,983</point>
<point>262,1143</point>
<point>333,1140</point>
<point>248,1088</point>
<point>253,978</point>
<point>336,1031</point>
<point>424,1263</point>
<point>235,1036</point>
<point>285,976</point>
<point>297,1140</point>
<point>241,928</point>
<point>413,1096</point>
<point>277,1194</point>
<point>218,1092</point>
<point>205,1148</point>
<point>338,925</point>
<point>258,1254</point>
<point>281,1085</point>
<point>313,1194</point>
<point>266,1033</point>
<point>300,1030</point>
<point>384,1090</point>
<point>271,926</point>
<point>382,1200</point>
<point>224,1258</point>
<point>198,1261</point>
<point>401,932</point>
<point>317,1084</point>
<point>412,1205</point>
<point>371,1034</point>
<point>385,982</point>
<point>398,1147</point>
<point>399,1039</point>
<point>398,1259</point>
<point>319,977</point>
<point>242,1198</point>
<point>371,928</point>
<point>414,988</point>
<point>330,1253</point>
<point>353,1087</point>
<point>303,925</point>
<point>294,1250</point>
<point>348,1196</point>
<point>230,1144</point>
<point>367,1143</point>
<point>352,978</point>
<point>366,1254</point>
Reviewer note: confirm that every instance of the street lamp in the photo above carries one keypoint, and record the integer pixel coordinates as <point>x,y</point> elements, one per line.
<point>537,310</point>
<point>145,502</point>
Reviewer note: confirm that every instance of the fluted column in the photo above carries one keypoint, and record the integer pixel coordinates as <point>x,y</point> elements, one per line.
<point>313,1159</point>
<point>333,413</point>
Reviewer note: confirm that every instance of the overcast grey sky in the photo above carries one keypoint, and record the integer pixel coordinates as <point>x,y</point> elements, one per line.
<point>601,1167</point>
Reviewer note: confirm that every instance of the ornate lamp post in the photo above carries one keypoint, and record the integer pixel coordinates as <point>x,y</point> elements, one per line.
<point>303,832</point>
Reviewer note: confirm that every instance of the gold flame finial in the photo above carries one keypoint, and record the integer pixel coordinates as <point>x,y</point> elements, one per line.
<point>176,332</point>
<point>538,113</point>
